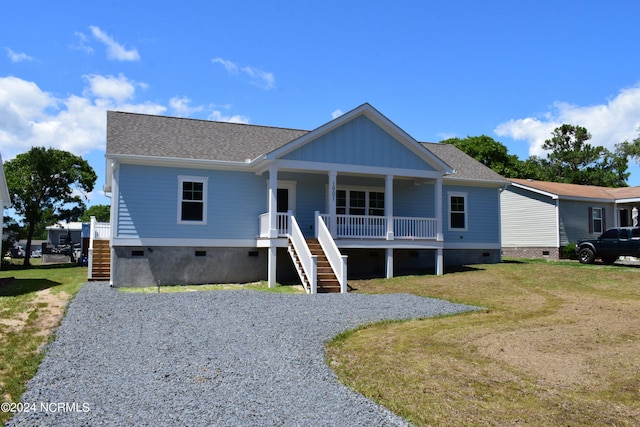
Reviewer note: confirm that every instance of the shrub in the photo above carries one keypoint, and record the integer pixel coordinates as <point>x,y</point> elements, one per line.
<point>569,251</point>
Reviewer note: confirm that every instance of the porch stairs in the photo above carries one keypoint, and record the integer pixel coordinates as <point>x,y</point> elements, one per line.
<point>101,262</point>
<point>327,282</point>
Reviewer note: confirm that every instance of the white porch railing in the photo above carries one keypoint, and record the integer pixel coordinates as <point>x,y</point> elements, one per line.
<point>337,261</point>
<point>375,227</point>
<point>308,262</point>
<point>282,224</point>
<point>415,228</point>
<point>97,231</point>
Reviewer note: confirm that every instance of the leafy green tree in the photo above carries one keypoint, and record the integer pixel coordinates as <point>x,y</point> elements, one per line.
<point>11,234</point>
<point>630,149</point>
<point>490,153</point>
<point>44,183</point>
<point>101,212</point>
<point>573,160</point>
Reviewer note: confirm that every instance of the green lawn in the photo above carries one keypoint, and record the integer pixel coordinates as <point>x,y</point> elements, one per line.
<point>31,306</point>
<point>557,345</point>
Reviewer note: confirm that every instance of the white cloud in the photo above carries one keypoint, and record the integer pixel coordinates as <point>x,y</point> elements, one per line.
<point>83,43</point>
<point>609,123</point>
<point>114,49</point>
<point>219,117</point>
<point>336,113</point>
<point>181,107</point>
<point>31,117</point>
<point>257,77</point>
<point>108,87</point>
<point>16,56</point>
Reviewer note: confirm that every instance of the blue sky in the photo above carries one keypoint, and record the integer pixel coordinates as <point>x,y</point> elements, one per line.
<point>513,70</point>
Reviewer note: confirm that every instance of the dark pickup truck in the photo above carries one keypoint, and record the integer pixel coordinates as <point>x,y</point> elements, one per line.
<point>612,244</point>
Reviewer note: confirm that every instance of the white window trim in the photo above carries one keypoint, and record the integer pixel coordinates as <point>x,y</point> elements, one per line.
<point>594,219</point>
<point>205,195</point>
<point>366,189</point>
<point>451,194</point>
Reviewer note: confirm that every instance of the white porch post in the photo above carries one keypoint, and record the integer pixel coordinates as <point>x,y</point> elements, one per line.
<point>438,208</point>
<point>389,263</point>
<point>439,262</point>
<point>439,218</point>
<point>333,175</point>
<point>388,206</point>
<point>271,269</point>
<point>273,202</point>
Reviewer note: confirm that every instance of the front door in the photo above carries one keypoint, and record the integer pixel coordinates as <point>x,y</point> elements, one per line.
<point>282,206</point>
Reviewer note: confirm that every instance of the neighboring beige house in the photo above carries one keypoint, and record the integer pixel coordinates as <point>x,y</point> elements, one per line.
<point>539,218</point>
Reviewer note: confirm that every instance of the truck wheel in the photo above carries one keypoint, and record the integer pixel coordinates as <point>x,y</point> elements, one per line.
<point>586,256</point>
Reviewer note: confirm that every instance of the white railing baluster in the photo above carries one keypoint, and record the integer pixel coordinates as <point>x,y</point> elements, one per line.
<point>337,261</point>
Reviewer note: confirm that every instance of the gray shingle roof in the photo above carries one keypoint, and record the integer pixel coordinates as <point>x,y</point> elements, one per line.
<point>180,138</point>
<point>171,137</point>
<point>466,167</point>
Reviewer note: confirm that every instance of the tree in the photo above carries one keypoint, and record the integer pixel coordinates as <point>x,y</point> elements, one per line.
<point>101,212</point>
<point>43,184</point>
<point>573,160</point>
<point>490,153</point>
<point>630,149</point>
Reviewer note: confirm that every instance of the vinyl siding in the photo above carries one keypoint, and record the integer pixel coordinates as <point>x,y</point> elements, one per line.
<point>574,220</point>
<point>483,225</point>
<point>148,204</point>
<point>359,142</point>
<point>528,219</point>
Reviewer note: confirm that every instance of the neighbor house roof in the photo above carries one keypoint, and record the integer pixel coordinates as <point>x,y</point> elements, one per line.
<point>132,134</point>
<point>579,191</point>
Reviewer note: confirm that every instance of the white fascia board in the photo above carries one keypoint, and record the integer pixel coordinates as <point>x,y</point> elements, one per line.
<point>302,166</point>
<point>535,190</point>
<point>388,244</point>
<point>629,200</point>
<point>378,118</point>
<point>179,162</point>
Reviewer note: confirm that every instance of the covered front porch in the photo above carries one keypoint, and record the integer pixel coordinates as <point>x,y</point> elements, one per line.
<point>358,210</point>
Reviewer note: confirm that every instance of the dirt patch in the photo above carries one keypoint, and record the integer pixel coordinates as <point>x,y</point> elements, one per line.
<point>47,307</point>
<point>576,346</point>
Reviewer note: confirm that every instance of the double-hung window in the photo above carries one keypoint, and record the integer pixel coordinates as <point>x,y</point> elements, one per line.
<point>458,211</point>
<point>192,200</point>
<point>597,220</point>
<point>360,202</point>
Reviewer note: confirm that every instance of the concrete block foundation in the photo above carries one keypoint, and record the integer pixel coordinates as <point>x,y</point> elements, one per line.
<point>153,266</point>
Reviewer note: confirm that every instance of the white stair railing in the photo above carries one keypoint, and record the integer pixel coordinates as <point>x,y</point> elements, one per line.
<point>337,261</point>
<point>308,262</point>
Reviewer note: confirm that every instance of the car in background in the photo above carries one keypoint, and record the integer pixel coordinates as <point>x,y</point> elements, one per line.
<point>611,245</point>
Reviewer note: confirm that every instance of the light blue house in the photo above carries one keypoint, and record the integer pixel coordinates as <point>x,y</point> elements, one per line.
<point>197,201</point>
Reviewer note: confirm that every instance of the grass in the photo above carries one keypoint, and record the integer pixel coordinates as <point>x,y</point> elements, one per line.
<point>556,344</point>
<point>31,306</point>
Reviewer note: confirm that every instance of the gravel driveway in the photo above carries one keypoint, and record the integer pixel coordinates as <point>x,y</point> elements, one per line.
<point>207,358</point>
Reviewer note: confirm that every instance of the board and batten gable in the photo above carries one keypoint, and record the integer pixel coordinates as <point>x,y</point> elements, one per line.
<point>529,219</point>
<point>234,202</point>
<point>360,142</point>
